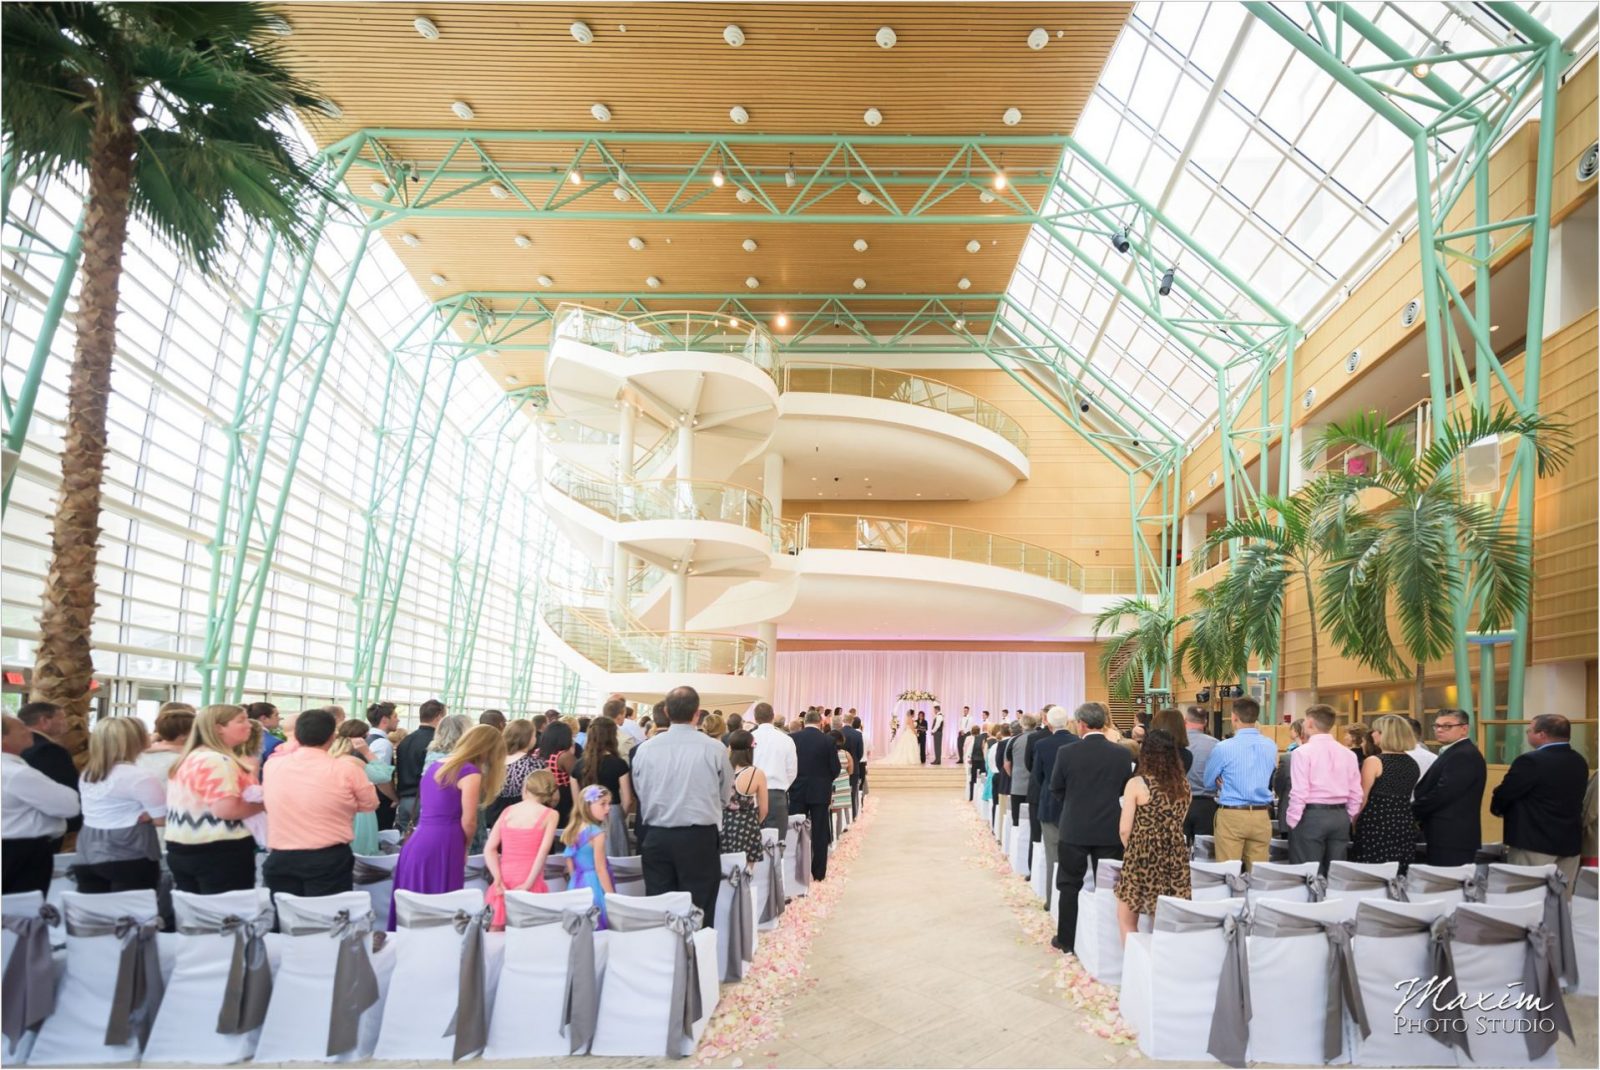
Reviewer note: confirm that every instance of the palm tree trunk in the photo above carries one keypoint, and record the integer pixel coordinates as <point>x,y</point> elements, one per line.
<point>1416,691</point>
<point>64,666</point>
<point>1311,610</point>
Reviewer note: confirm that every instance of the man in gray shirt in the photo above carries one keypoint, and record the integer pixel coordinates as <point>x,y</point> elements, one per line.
<point>1202,797</point>
<point>683,779</point>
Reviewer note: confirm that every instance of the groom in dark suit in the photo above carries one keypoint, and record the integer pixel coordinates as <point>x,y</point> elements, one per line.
<point>816,767</point>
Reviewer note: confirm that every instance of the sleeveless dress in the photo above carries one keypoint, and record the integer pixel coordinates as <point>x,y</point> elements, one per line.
<point>1157,859</point>
<point>580,860</point>
<point>1386,830</point>
<point>519,848</point>
<point>434,857</point>
<point>741,821</point>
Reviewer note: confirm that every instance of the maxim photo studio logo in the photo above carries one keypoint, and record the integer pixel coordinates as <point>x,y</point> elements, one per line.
<point>1436,1005</point>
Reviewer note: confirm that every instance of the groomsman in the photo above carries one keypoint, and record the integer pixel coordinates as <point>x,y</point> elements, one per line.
<point>856,744</point>
<point>1448,801</point>
<point>936,729</point>
<point>1087,780</point>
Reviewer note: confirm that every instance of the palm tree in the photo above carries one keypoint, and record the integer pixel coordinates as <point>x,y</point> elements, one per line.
<point>176,115</point>
<point>1426,545</point>
<point>1214,650</point>
<point>1141,653</point>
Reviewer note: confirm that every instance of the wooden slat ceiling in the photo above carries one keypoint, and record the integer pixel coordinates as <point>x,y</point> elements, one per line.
<point>804,68</point>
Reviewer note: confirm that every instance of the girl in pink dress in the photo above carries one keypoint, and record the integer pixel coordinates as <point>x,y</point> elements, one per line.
<point>519,843</point>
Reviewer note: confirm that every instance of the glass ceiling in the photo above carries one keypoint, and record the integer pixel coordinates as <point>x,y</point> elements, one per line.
<point>1284,176</point>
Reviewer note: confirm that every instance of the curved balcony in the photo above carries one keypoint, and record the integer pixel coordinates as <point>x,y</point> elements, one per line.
<point>662,332</point>
<point>641,663</point>
<point>837,531</point>
<point>886,384</point>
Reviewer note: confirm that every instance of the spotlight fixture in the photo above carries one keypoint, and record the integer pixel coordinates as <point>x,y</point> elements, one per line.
<point>963,283</point>
<point>1424,65</point>
<point>581,33</point>
<point>974,245</point>
<point>1038,38</point>
<point>961,320</point>
<point>863,197</point>
<point>1000,175</point>
<point>752,282</point>
<point>859,245</point>
<point>600,112</point>
<point>462,109</point>
<point>1119,240</point>
<point>733,35</point>
<point>1203,695</point>
<point>781,321</point>
<point>411,240</point>
<point>1166,281</point>
<point>426,27</point>
<point>718,179</point>
<point>653,282</point>
<point>860,284</point>
<point>437,279</point>
<point>523,241</point>
<point>636,243</point>
<point>743,196</point>
<point>546,281</point>
<point>1012,116</point>
<point>575,176</point>
<point>1083,404</point>
<point>886,37</point>
<point>789,177</point>
<point>498,192</point>
<point>738,115</point>
<point>872,117</point>
<point>379,189</point>
<point>749,245</point>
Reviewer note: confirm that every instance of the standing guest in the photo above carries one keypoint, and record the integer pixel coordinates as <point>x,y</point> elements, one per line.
<point>519,843</point>
<point>408,761</point>
<point>817,765</point>
<point>1448,802</point>
<point>1202,798</point>
<point>615,711</point>
<point>1154,804</point>
<point>1420,753</point>
<point>974,759</point>
<point>735,724</point>
<point>841,784</point>
<point>630,723</point>
<point>713,725</point>
<point>1045,753</point>
<point>434,858</point>
<point>603,764</point>
<point>585,840</point>
<point>1240,770</point>
<point>520,761</point>
<point>1283,779</point>
<point>1087,781</point>
<point>48,724</point>
<point>446,735</point>
<point>557,755</point>
<point>350,745</point>
<point>495,719</point>
<point>991,764</point>
<point>1541,799</point>
<point>1385,830</point>
<point>580,735</point>
<point>682,777</point>
<point>1325,793</point>
<point>856,744</point>
<point>212,791</point>
<point>1002,768</point>
<point>1017,768</point>
<point>266,715</point>
<point>312,798</point>
<point>746,809</point>
<point>382,719</point>
<point>774,755</point>
<point>1171,722</point>
<point>1591,823</point>
<point>1355,737</point>
<point>173,722</point>
<point>538,725</point>
<point>33,815</point>
<point>659,717</point>
<point>118,849</point>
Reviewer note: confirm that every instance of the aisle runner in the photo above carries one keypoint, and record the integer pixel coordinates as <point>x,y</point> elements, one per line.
<point>750,1013</point>
<point>1084,993</point>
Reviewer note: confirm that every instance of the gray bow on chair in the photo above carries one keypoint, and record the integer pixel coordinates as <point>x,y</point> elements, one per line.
<point>249,985</point>
<point>1343,877</point>
<point>363,873</point>
<point>1557,913</point>
<point>1237,883</point>
<point>741,924</point>
<point>355,984</point>
<point>774,905</point>
<point>1539,971</point>
<point>1230,1014</point>
<point>28,991</point>
<point>1445,1009</point>
<point>139,987</point>
<point>684,1008</point>
<point>470,1023</point>
<point>1315,884</point>
<point>580,1006</point>
<point>802,851</point>
<point>1342,990</point>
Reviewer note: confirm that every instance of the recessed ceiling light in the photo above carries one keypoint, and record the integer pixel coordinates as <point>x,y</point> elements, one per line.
<point>426,27</point>
<point>411,240</point>
<point>872,117</point>
<point>620,193</point>
<point>974,245</point>
<point>859,245</point>
<point>462,109</point>
<point>511,379</point>
<point>886,37</point>
<point>860,284</point>
<point>733,35</point>
<point>738,115</point>
<point>600,112</point>
<point>636,243</point>
<point>748,245</point>
<point>498,192</point>
<point>1038,38</point>
<point>1012,116</point>
<point>523,241</point>
<point>437,279</point>
<point>752,282</point>
<point>985,196</point>
<point>379,189</point>
<point>781,321</point>
<point>653,282</point>
<point>581,33</point>
<point>546,281</point>
<point>964,283</point>
<point>864,198</point>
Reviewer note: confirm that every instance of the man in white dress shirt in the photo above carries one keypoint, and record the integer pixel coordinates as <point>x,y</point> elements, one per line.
<point>774,756</point>
<point>33,815</point>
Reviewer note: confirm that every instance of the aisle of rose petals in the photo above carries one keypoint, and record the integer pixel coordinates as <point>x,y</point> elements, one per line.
<point>750,1013</point>
<point>1098,1002</point>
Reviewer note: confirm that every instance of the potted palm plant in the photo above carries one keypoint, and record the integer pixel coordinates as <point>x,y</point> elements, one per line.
<point>1214,650</point>
<point>1141,653</point>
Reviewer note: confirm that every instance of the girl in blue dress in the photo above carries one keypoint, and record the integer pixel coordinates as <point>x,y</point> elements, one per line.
<point>585,838</point>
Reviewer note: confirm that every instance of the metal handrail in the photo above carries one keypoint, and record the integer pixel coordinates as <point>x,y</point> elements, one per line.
<point>845,531</point>
<point>666,499</point>
<point>819,377</point>
<point>664,332</point>
<point>623,651</point>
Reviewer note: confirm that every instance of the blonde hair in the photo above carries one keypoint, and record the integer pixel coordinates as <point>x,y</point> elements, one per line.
<point>484,747</point>
<point>713,725</point>
<point>1398,738</point>
<point>540,786</point>
<point>114,740</point>
<point>344,737</point>
<point>582,812</point>
<point>204,736</point>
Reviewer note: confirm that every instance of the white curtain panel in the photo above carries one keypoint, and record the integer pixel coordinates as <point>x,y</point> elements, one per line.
<point>869,680</point>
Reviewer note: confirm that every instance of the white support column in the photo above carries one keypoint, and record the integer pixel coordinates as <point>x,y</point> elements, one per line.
<point>1193,532</point>
<point>772,482</point>
<point>678,608</point>
<point>625,442</point>
<point>686,452</point>
<point>1299,473</point>
<point>619,577</point>
<point>767,632</point>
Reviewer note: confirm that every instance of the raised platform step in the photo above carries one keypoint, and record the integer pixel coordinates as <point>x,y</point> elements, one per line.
<point>915,777</point>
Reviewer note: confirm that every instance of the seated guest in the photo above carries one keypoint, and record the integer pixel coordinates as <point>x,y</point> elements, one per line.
<point>118,849</point>
<point>173,722</point>
<point>1541,799</point>
<point>1240,771</point>
<point>33,815</point>
<point>1155,855</point>
<point>312,798</point>
<point>212,791</point>
<point>519,843</point>
<point>350,744</point>
<point>1325,793</point>
<point>1448,802</point>
<point>1385,830</point>
<point>520,761</point>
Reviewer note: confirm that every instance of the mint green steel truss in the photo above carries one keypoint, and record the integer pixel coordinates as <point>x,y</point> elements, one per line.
<point>1477,119</point>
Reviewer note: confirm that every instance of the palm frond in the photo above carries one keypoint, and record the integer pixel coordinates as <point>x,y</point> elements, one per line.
<point>1552,441</point>
<point>1368,431</point>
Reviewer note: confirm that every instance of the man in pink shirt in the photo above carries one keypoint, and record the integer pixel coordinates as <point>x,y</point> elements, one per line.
<point>312,799</point>
<point>1324,793</point>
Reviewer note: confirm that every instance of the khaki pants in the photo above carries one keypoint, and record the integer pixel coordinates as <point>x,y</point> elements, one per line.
<point>1242,834</point>
<point>1567,864</point>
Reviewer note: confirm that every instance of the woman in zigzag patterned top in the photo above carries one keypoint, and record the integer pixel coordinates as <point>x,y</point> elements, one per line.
<point>212,789</point>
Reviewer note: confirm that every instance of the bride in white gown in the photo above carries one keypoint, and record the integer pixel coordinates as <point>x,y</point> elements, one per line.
<point>903,751</point>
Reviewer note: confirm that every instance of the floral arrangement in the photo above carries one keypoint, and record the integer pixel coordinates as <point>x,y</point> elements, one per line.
<point>918,696</point>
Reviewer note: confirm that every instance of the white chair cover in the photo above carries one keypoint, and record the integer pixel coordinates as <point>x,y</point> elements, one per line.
<point>735,920</point>
<point>389,838</point>
<point>1204,849</point>
<point>551,977</point>
<point>444,962</point>
<point>555,870</point>
<point>61,882</point>
<point>1492,946</point>
<point>1277,850</point>
<point>797,851</point>
<point>221,983</point>
<point>1040,880</point>
<point>627,874</point>
<point>29,987</point>
<point>1295,882</point>
<point>477,874</point>
<point>1365,880</point>
<point>769,881</point>
<point>326,1006</point>
<point>1216,880</point>
<point>111,958</point>
<point>1003,819</point>
<point>1098,931</point>
<point>1586,930</point>
<point>1172,978</point>
<point>661,972</point>
<point>1396,945</point>
<point>1451,885</point>
<point>1507,885</point>
<point>1294,951</point>
<point>1019,844</point>
<point>374,875</point>
<point>979,804</point>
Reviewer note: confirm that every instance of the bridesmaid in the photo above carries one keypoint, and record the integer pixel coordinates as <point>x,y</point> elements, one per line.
<point>434,858</point>
<point>520,842</point>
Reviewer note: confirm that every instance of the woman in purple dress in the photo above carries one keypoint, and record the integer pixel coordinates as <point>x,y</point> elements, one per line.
<point>434,858</point>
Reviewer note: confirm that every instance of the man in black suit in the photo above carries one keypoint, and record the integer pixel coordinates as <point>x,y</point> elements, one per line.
<point>48,723</point>
<point>816,767</point>
<point>1028,749</point>
<point>409,758</point>
<point>1541,798</point>
<point>1449,797</point>
<point>922,738</point>
<point>1040,800</point>
<point>856,744</point>
<point>1087,781</point>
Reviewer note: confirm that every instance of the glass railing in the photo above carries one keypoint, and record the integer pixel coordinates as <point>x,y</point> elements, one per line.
<point>666,332</point>
<point>848,379</point>
<point>1417,420</point>
<point>666,499</point>
<point>835,531</point>
<point>587,632</point>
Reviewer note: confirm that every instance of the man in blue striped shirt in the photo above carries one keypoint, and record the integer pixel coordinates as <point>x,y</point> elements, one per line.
<point>1240,768</point>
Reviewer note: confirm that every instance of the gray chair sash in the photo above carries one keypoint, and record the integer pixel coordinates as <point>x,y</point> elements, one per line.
<point>1230,1015</point>
<point>1315,883</point>
<point>364,873</point>
<point>1343,992</point>
<point>557,868</point>
<point>1237,883</point>
<point>1441,964</point>
<point>741,924</point>
<point>625,869</point>
<point>470,1023</point>
<point>684,1008</point>
<point>580,1006</point>
<point>774,905</point>
<point>249,985</point>
<point>1588,886</point>
<point>1557,914</point>
<point>1346,880</point>
<point>1539,973</point>
<point>477,871</point>
<point>28,990</point>
<point>355,984</point>
<point>802,851</point>
<point>1430,884</point>
<point>139,987</point>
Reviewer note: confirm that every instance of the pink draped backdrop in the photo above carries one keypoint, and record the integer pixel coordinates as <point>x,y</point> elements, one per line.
<point>869,680</point>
